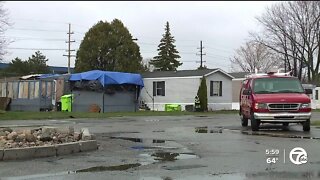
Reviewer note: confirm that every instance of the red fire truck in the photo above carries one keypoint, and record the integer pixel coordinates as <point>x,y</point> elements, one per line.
<point>274,98</point>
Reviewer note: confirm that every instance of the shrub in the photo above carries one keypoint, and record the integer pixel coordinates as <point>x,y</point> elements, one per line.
<point>202,94</point>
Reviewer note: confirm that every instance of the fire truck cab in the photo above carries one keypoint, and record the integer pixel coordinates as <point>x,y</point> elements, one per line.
<point>274,98</point>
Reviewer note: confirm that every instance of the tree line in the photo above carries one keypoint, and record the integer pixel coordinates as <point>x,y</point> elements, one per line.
<point>290,38</point>
<point>109,47</point>
<point>35,64</point>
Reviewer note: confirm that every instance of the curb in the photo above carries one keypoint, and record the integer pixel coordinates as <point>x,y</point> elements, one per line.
<point>1,154</point>
<point>47,151</point>
<point>89,145</point>
<point>67,148</point>
<point>18,153</point>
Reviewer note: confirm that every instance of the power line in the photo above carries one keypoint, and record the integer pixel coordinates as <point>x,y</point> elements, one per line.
<point>38,39</point>
<point>36,20</point>
<point>147,43</point>
<point>188,45</point>
<point>79,32</point>
<point>217,56</point>
<point>46,49</point>
<point>154,44</point>
<point>187,61</point>
<point>185,40</point>
<point>188,53</point>
<point>179,52</point>
<point>215,64</point>
<point>44,30</point>
<point>219,49</point>
<point>45,21</point>
<point>82,26</point>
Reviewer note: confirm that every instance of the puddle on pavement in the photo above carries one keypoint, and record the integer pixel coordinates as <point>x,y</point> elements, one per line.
<point>158,131</point>
<point>201,116</point>
<point>152,147</point>
<point>38,176</point>
<point>158,141</point>
<point>221,176</point>
<point>259,133</point>
<point>205,129</point>
<point>122,167</point>
<point>167,156</point>
<point>140,140</point>
<point>128,139</point>
<point>244,176</point>
<point>193,177</point>
<point>167,178</point>
<point>183,167</point>
<point>144,147</point>
<point>128,132</point>
<point>282,175</point>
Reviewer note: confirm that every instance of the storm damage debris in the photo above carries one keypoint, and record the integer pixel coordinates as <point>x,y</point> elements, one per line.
<point>46,135</point>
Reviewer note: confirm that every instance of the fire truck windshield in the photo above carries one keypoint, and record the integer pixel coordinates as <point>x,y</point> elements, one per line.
<point>277,85</point>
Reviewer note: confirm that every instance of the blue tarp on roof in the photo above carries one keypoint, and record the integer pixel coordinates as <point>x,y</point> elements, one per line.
<point>43,76</point>
<point>109,77</point>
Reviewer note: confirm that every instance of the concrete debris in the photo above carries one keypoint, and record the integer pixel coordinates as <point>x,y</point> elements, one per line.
<point>44,136</point>
<point>85,135</point>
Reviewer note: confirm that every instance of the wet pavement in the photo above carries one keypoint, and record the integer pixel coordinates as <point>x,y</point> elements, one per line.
<point>181,147</point>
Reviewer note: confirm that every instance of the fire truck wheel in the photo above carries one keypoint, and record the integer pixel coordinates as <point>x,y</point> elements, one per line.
<point>285,126</point>
<point>306,125</point>
<point>255,123</point>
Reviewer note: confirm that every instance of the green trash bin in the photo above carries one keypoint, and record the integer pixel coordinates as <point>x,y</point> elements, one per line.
<point>172,107</point>
<point>66,104</point>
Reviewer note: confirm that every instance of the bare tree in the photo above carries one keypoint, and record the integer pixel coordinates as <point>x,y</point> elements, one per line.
<point>4,24</point>
<point>292,29</point>
<point>251,56</point>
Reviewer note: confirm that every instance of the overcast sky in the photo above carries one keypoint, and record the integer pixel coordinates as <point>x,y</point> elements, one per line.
<point>222,26</point>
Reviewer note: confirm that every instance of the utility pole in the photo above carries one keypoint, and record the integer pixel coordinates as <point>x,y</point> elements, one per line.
<point>201,54</point>
<point>69,47</point>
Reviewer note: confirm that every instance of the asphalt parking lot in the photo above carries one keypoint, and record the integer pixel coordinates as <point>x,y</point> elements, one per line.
<point>176,147</point>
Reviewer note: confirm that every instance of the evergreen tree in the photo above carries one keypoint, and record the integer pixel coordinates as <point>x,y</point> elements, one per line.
<point>167,53</point>
<point>202,94</point>
<point>109,47</point>
<point>17,67</point>
<point>36,64</point>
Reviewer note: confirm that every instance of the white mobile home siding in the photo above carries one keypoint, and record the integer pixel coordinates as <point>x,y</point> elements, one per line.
<point>224,101</point>
<point>182,90</point>
<point>177,91</point>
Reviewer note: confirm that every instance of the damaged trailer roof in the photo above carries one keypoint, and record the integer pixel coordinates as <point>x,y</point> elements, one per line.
<point>109,77</point>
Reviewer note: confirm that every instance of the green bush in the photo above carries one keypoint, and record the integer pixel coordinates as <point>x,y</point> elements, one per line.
<point>202,94</point>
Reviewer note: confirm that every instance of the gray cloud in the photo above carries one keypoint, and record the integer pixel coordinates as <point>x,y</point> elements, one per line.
<point>222,26</point>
